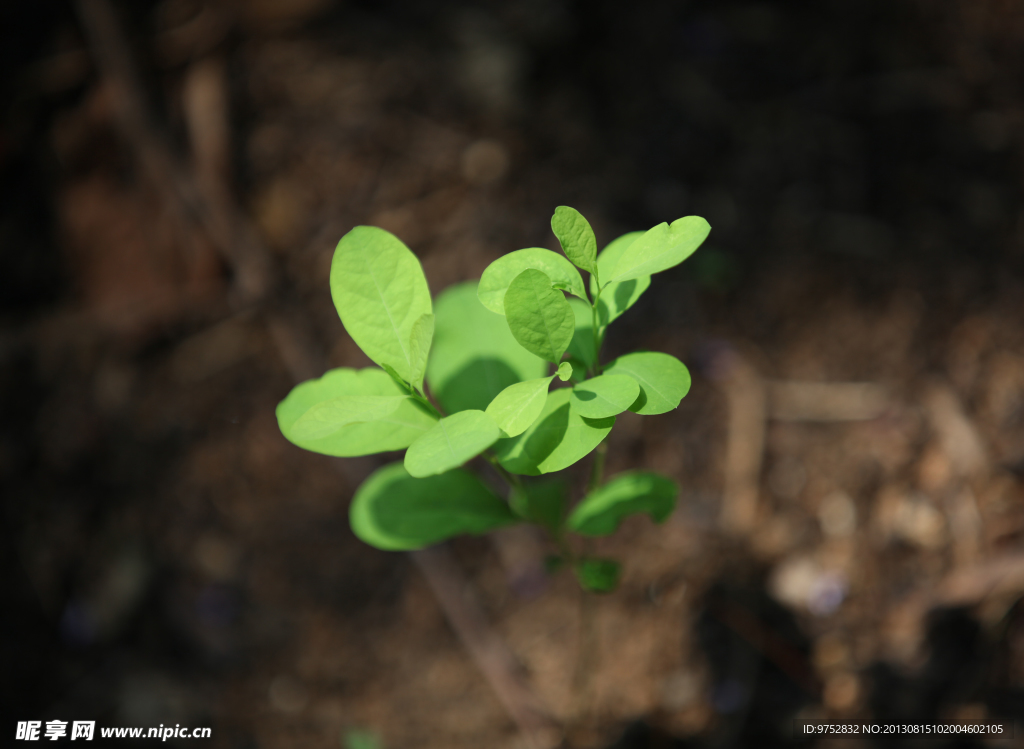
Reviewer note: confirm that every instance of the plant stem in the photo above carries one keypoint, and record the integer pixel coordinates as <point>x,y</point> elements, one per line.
<point>597,469</point>
<point>510,478</point>
<point>426,402</point>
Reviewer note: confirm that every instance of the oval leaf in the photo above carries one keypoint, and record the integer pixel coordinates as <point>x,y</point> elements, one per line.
<point>601,511</point>
<point>450,443</point>
<point>564,371</point>
<point>617,296</point>
<point>519,405</point>
<point>576,237</point>
<point>557,439</point>
<point>395,512</point>
<point>598,575</point>
<point>660,248</point>
<point>605,395</point>
<point>331,416</point>
<point>539,317</point>
<point>664,380</point>
<point>380,293</point>
<point>395,431</point>
<point>499,275</point>
<point>474,356</point>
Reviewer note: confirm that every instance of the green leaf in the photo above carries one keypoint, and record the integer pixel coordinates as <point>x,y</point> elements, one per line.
<point>519,405</point>
<point>474,356</point>
<point>576,237</point>
<point>604,395</point>
<point>395,431</point>
<point>356,739</point>
<point>499,275</point>
<point>663,379</point>
<point>419,343</point>
<point>539,316</point>
<point>564,371</point>
<point>395,512</point>
<point>598,575</point>
<point>331,416</point>
<point>660,248</point>
<point>380,293</point>
<point>583,346</point>
<point>617,296</point>
<point>450,443</point>
<point>557,439</point>
<point>541,502</point>
<point>601,511</point>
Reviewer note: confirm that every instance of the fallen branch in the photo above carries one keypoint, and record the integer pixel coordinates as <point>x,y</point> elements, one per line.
<point>492,657</point>
<point>790,400</point>
<point>744,452</point>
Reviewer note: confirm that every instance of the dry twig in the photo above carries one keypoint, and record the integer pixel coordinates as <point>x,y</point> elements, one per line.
<point>744,392</point>
<point>489,651</point>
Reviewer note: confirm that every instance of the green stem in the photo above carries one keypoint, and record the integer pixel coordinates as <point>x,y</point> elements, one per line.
<point>597,469</point>
<point>510,478</point>
<point>419,397</point>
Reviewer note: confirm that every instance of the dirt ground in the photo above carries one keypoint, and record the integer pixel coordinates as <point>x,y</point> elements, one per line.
<point>848,542</point>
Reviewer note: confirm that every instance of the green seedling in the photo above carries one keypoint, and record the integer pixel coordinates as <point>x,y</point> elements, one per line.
<point>507,370</point>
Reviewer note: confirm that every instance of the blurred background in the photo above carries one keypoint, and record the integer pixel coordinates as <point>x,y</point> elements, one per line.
<point>174,176</point>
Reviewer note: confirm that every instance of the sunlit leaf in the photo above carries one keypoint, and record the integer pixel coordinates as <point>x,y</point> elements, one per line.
<point>519,405</point>
<point>604,395</point>
<point>601,511</point>
<point>576,237</point>
<point>395,512</point>
<point>331,416</point>
<point>539,316</point>
<point>474,356</point>
<point>660,248</point>
<point>380,293</point>
<point>664,380</point>
<point>450,443</point>
<point>395,431</point>
<point>557,439</point>
<point>499,275</point>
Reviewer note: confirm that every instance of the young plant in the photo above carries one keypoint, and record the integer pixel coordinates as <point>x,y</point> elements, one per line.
<point>474,373</point>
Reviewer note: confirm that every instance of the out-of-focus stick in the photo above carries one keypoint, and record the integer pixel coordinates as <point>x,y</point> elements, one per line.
<point>489,651</point>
